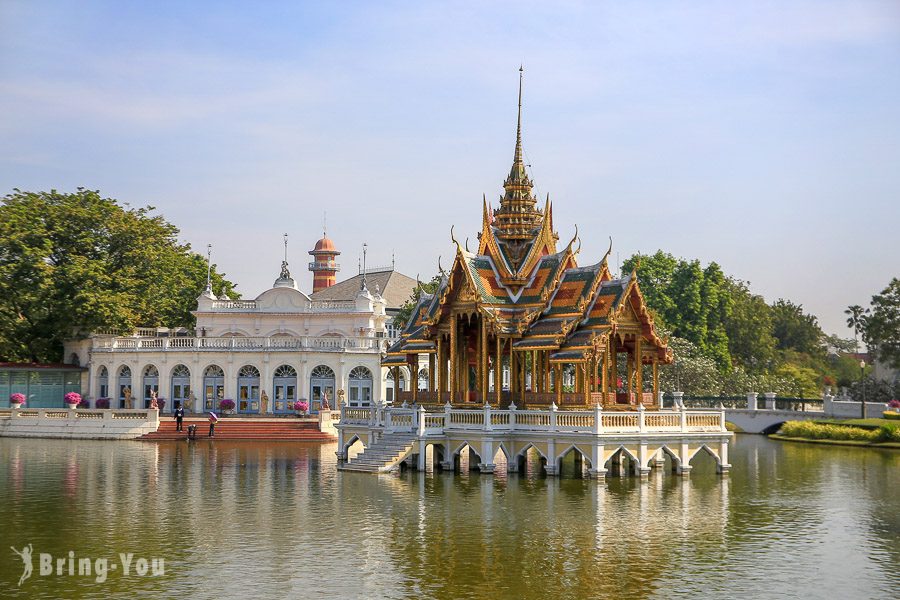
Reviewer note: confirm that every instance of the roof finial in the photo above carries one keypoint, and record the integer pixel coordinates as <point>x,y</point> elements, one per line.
<point>324,223</point>
<point>209,268</point>
<point>365,283</point>
<point>517,158</point>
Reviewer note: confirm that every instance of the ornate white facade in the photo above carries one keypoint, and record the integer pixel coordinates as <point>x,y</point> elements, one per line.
<point>263,354</point>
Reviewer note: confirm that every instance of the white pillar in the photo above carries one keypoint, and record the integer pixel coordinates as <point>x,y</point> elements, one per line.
<point>770,400</point>
<point>487,460</point>
<point>751,400</point>
<point>679,399</point>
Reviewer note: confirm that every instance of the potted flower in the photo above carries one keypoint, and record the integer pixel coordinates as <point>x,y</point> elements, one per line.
<point>226,406</point>
<point>161,404</point>
<point>102,403</point>
<point>301,407</point>
<point>72,399</point>
<point>16,400</point>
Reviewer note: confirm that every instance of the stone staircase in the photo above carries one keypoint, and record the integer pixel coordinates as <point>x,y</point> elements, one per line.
<point>382,456</point>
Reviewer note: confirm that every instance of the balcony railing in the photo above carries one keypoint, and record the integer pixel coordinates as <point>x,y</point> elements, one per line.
<point>237,343</point>
<point>313,306</point>
<point>596,421</point>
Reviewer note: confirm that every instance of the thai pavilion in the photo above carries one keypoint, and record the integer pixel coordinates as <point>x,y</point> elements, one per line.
<point>518,321</point>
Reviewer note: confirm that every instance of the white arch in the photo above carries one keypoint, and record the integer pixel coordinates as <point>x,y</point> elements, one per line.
<point>709,451</point>
<point>524,451</point>
<point>571,447</point>
<point>624,451</point>
<point>676,461</point>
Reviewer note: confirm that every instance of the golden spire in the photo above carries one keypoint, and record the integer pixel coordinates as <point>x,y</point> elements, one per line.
<point>518,219</point>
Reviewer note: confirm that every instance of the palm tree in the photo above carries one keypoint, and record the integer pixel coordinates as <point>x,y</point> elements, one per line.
<point>856,320</point>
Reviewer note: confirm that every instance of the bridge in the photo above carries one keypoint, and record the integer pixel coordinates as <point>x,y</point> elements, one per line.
<point>753,414</point>
<point>599,441</point>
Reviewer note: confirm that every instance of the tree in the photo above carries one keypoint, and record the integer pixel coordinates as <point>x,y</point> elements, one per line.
<point>75,263</point>
<point>856,320</point>
<point>881,329</point>
<point>749,328</point>
<point>796,330</point>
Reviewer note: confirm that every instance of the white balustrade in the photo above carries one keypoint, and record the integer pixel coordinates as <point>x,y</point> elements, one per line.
<point>237,343</point>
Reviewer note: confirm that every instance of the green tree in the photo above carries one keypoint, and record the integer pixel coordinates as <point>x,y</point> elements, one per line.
<point>881,330</point>
<point>75,263</point>
<point>749,328</point>
<point>856,320</point>
<point>796,330</point>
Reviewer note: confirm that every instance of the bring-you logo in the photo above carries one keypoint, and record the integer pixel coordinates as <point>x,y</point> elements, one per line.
<point>70,565</point>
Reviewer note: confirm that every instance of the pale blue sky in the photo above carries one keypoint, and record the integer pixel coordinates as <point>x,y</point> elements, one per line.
<point>762,135</point>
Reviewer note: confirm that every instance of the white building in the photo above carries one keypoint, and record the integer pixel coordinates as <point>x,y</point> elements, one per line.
<point>264,354</point>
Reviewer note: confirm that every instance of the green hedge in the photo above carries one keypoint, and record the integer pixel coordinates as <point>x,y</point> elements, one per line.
<point>891,415</point>
<point>820,431</point>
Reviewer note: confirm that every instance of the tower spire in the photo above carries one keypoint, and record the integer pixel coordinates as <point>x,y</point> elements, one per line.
<point>517,156</point>
<point>518,219</point>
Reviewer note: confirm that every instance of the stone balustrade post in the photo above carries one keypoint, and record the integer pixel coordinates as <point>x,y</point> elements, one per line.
<point>553,409</point>
<point>828,405</point>
<point>641,419</point>
<point>721,416</point>
<point>388,425</point>
<point>598,420</point>
<point>512,415</point>
<point>373,416</point>
<point>420,421</point>
<point>751,400</point>
<point>770,400</point>
<point>679,399</point>
<point>683,420</point>
<point>660,398</point>
<point>487,418</point>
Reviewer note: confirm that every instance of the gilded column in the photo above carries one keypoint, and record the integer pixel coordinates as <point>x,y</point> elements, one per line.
<point>558,384</point>
<point>498,370</point>
<point>441,367</point>
<point>639,369</point>
<point>431,373</point>
<point>604,377</point>
<point>614,363</point>
<point>414,376</point>
<point>454,372</point>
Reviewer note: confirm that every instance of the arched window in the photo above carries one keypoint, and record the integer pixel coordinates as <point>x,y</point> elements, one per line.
<point>248,389</point>
<point>321,388</point>
<point>284,385</point>
<point>389,388</point>
<point>103,383</point>
<point>213,387</point>
<point>423,378</point>
<point>181,388</point>
<point>360,387</point>
<point>151,383</point>
<point>124,386</point>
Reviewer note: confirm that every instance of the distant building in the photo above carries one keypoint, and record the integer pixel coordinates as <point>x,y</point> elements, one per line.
<point>264,354</point>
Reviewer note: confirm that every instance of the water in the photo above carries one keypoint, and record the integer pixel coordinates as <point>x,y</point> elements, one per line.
<point>246,520</point>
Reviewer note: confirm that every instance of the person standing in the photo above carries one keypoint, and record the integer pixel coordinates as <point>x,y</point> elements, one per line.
<point>179,417</point>
<point>213,419</point>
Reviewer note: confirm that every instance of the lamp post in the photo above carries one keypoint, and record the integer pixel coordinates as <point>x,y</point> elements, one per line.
<point>862,384</point>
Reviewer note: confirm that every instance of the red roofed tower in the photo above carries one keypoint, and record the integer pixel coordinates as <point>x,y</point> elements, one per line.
<point>324,267</point>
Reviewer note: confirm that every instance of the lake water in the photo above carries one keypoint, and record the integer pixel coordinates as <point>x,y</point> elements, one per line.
<point>250,520</point>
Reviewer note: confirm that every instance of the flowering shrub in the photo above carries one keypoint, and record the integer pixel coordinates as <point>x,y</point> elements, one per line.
<point>226,405</point>
<point>102,403</point>
<point>73,398</point>
<point>161,403</point>
<point>301,405</point>
<point>17,398</point>
<point>895,404</point>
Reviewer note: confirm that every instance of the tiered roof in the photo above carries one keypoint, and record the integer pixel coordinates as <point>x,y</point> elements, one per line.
<point>528,289</point>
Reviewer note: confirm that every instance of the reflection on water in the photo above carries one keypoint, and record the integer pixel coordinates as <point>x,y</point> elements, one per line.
<point>791,521</point>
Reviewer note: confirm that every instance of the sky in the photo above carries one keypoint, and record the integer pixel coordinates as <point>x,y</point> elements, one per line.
<point>764,136</point>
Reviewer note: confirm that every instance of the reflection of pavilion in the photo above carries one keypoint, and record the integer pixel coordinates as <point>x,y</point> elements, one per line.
<point>516,328</point>
<point>519,321</point>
